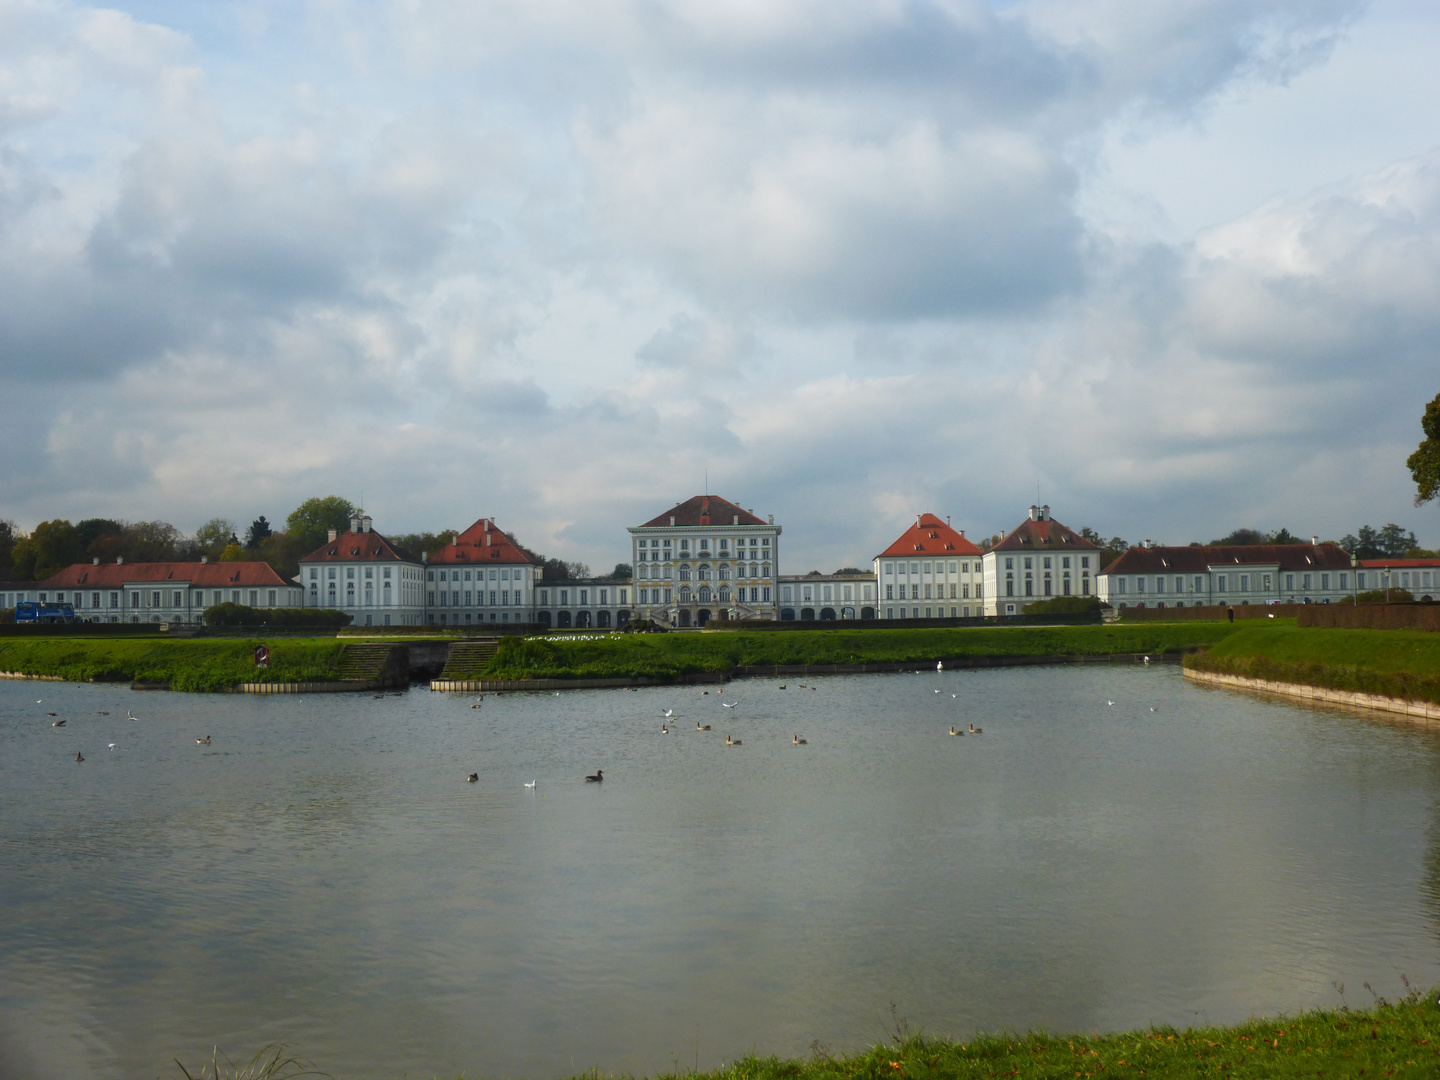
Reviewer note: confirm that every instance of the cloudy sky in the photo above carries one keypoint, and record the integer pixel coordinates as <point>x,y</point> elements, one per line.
<point>1174,267</point>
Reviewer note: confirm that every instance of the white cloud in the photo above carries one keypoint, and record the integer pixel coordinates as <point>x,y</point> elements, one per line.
<point>555,261</point>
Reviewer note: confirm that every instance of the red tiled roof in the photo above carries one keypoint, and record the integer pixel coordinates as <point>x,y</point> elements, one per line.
<point>480,543</point>
<point>930,536</point>
<point>355,547</point>
<point>703,510</point>
<point>1047,533</point>
<point>1199,558</point>
<point>116,575</point>
<point>1398,564</point>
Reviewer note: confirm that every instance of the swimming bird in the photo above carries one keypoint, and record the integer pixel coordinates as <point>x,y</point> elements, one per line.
<point>1152,708</point>
<point>798,741</point>
<point>663,729</point>
<point>474,776</point>
<point>203,742</point>
<point>531,783</point>
<point>939,665</point>
<point>975,730</point>
<point>669,714</point>
<point>476,705</point>
<point>703,693</point>
<point>557,693</point>
<point>1109,702</point>
<point>52,714</point>
<point>782,686</point>
<point>731,742</point>
<point>104,712</point>
<point>597,778</point>
<point>79,756</point>
<point>130,715</point>
<point>110,745</point>
<point>954,732</point>
<point>937,691</point>
<point>728,704</point>
<point>377,697</point>
<point>701,727</point>
<point>1146,659</point>
<point>57,723</point>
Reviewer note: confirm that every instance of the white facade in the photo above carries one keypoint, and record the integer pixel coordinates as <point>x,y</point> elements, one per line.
<point>359,573</point>
<point>575,603</point>
<point>167,592</point>
<point>827,596</point>
<point>1038,560</point>
<point>704,559</point>
<point>1230,575</point>
<point>930,587</point>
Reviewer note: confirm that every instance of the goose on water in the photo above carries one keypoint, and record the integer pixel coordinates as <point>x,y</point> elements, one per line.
<point>57,723</point>
<point>203,742</point>
<point>79,756</point>
<point>701,727</point>
<point>531,784</point>
<point>954,732</point>
<point>474,776</point>
<point>798,741</point>
<point>104,712</point>
<point>664,730</point>
<point>975,730</point>
<point>597,778</point>
<point>731,742</point>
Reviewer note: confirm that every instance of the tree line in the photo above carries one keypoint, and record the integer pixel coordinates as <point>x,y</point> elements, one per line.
<point>53,545</point>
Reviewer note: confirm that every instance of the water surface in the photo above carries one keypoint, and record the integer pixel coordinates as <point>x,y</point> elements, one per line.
<point>322,874</point>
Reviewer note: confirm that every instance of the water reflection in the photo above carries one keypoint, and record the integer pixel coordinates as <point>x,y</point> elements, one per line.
<point>322,874</point>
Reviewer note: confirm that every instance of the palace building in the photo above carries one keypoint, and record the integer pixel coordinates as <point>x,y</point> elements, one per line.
<point>1036,560</point>
<point>1236,574</point>
<point>164,592</point>
<point>481,576</point>
<point>360,573</point>
<point>703,559</point>
<point>930,572</point>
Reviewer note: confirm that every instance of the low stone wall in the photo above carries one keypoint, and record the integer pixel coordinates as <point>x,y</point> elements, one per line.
<point>472,686</point>
<point>36,678</point>
<point>303,687</point>
<point>1419,710</point>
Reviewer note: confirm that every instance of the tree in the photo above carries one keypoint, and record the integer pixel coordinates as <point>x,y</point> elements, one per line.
<point>233,552</point>
<point>427,543</point>
<point>52,546</point>
<point>105,531</point>
<point>1283,536</point>
<point>310,522</point>
<point>1393,541</point>
<point>623,570</point>
<point>151,541</point>
<point>1425,461</point>
<point>259,530</point>
<point>1241,537</point>
<point>211,538</point>
<point>8,535</point>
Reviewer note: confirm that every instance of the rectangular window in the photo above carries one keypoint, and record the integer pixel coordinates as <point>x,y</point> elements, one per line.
<point>1359,582</point>
<point>927,592</point>
<point>1139,584</point>
<point>1265,583</point>
<point>889,592</point>
<point>1220,582</point>
<point>1199,584</point>
<point>1244,582</point>
<point>155,599</point>
<point>1305,581</point>
<point>492,595</point>
<point>1159,584</point>
<point>1122,586</point>
<point>1324,581</point>
<point>271,595</point>
<point>965,592</point>
<point>1345,580</point>
<point>430,598</point>
<point>254,598</point>
<point>765,593</point>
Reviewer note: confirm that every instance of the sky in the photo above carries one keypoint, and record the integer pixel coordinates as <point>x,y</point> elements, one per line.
<point>1170,268</point>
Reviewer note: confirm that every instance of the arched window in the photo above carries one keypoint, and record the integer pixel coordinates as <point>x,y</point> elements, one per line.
<point>704,571</point>
<point>724,595</point>
<point>684,594</point>
<point>704,594</point>
<point>684,573</point>
<point>724,573</point>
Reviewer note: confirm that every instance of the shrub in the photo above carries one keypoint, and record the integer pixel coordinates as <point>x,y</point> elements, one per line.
<point>228,614</point>
<point>1381,596</point>
<point>1065,605</point>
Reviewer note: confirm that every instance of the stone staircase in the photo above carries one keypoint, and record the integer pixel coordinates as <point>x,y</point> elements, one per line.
<point>374,664</point>
<point>469,659</point>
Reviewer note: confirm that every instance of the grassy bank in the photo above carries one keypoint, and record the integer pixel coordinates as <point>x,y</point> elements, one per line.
<point>1399,1040</point>
<point>1395,663</point>
<point>198,664</point>
<point>670,655</point>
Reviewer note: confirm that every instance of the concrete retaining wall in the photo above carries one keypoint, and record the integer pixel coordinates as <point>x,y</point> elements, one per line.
<point>1418,710</point>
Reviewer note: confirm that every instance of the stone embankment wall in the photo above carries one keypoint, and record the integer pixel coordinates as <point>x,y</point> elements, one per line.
<point>1419,710</point>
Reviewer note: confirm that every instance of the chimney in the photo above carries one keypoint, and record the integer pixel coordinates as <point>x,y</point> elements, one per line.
<point>1314,540</point>
<point>355,522</point>
<point>1044,513</point>
<point>365,522</point>
<point>204,559</point>
<point>917,520</point>
<point>332,536</point>
<point>424,556</point>
<point>1034,513</point>
<point>962,532</point>
<point>95,561</point>
<point>772,519</point>
<point>487,525</point>
<point>119,560</point>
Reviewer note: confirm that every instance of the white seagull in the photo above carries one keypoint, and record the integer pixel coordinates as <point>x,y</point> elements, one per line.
<point>669,712</point>
<point>531,784</point>
<point>728,704</point>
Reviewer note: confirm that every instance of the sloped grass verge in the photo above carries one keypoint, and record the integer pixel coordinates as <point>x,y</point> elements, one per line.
<point>672,655</point>
<point>1391,663</point>
<point>195,665</point>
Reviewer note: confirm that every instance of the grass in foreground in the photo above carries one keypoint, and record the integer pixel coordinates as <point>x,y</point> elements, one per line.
<point>187,664</point>
<point>670,655</point>
<point>1389,1040</point>
<point>1394,663</point>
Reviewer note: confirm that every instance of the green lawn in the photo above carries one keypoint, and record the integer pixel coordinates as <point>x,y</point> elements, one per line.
<point>1388,1041</point>
<point>1394,663</point>
<point>186,664</point>
<point>670,655</point>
